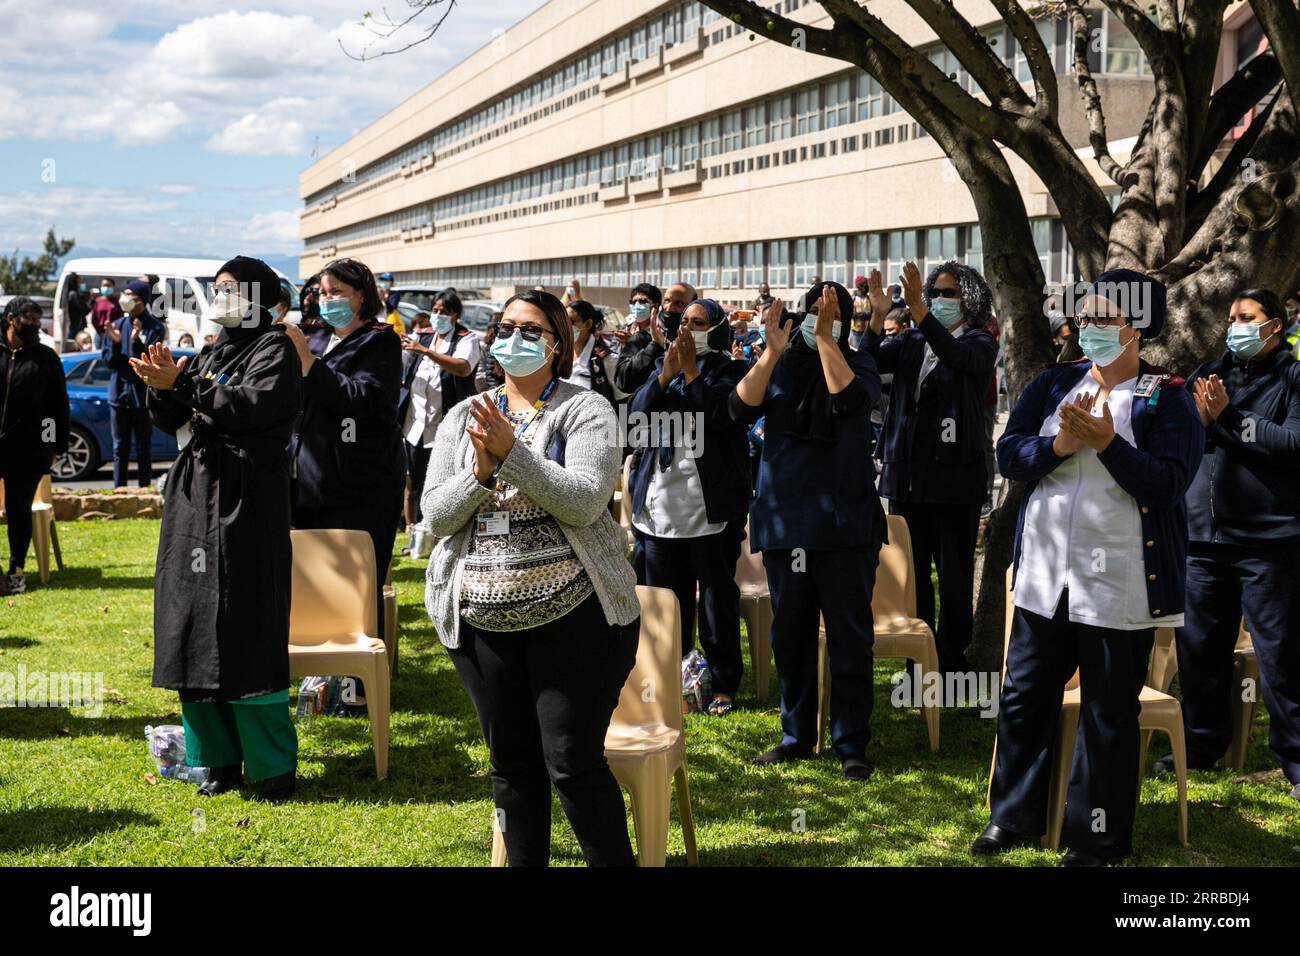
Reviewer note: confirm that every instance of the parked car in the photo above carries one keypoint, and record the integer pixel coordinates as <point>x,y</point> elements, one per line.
<point>185,286</point>
<point>475,315</point>
<point>422,296</point>
<point>90,435</point>
<point>47,314</point>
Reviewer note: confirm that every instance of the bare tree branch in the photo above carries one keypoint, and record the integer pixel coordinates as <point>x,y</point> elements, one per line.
<point>1081,27</point>
<point>1036,55</point>
<point>1281,23</point>
<point>971,49</point>
<point>391,28</point>
<point>1230,103</point>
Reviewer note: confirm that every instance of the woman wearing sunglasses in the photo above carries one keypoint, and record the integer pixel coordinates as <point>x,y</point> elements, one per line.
<point>529,584</point>
<point>932,442</point>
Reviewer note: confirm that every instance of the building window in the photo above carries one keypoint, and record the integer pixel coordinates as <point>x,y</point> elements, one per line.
<point>730,266</point>
<point>805,262</point>
<point>974,248</point>
<point>778,263</point>
<point>807,111</point>
<point>837,102</point>
<point>835,259</point>
<point>689,261</point>
<point>756,125</point>
<point>753,267</point>
<point>780,117</point>
<point>709,266</point>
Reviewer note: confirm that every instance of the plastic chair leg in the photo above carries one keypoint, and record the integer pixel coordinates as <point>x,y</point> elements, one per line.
<point>1062,757</point>
<point>54,539</point>
<point>377,704</point>
<point>1179,747</point>
<point>647,786</point>
<point>929,711</point>
<point>498,847</point>
<point>684,814</point>
<point>823,692</point>
<point>41,543</point>
<point>758,625</point>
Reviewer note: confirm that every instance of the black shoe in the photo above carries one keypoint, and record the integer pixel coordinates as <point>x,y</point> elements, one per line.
<point>1081,858</point>
<point>778,754</point>
<point>996,839</point>
<point>275,789</point>
<point>220,780</point>
<point>1166,764</point>
<point>857,768</point>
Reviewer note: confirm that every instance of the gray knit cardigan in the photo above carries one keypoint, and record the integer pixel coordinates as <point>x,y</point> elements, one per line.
<point>576,494</point>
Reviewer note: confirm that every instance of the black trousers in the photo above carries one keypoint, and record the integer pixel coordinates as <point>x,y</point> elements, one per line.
<point>379,523</point>
<point>1225,582</point>
<point>127,423</point>
<point>837,586</point>
<point>417,466</point>
<point>1102,796</point>
<point>944,534</point>
<point>680,564</point>
<point>20,480</point>
<point>544,698</point>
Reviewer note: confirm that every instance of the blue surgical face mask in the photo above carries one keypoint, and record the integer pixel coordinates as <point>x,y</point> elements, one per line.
<point>336,312</point>
<point>442,324</point>
<point>518,356</point>
<point>1101,343</point>
<point>638,311</point>
<point>1244,339</point>
<point>947,311</point>
<point>82,287</point>
<point>808,328</point>
<point>106,290</point>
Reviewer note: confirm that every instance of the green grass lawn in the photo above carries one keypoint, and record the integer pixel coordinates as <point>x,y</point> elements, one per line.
<point>77,790</point>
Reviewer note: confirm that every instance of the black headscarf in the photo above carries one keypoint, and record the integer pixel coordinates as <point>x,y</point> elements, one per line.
<point>260,284</point>
<point>811,415</point>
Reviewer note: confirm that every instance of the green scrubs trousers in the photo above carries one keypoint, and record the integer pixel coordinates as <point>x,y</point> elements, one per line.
<point>256,732</point>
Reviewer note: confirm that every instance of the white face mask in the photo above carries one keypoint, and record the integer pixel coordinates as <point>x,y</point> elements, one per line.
<point>702,346</point>
<point>127,303</point>
<point>228,309</point>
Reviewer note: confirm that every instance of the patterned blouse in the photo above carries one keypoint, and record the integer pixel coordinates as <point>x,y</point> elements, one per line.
<point>527,577</point>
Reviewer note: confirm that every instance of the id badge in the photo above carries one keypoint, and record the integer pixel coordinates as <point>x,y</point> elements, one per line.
<point>1146,386</point>
<point>489,523</point>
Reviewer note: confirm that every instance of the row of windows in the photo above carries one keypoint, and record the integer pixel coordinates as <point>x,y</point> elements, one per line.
<point>782,264</point>
<point>394,222</point>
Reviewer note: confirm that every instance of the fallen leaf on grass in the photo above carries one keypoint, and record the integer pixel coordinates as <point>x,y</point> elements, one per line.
<point>171,842</point>
<point>150,779</point>
<point>242,824</point>
<point>1263,776</point>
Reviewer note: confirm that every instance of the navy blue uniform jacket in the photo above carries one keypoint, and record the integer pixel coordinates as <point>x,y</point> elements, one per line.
<point>919,461</point>
<point>812,494</point>
<point>723,460</point>
<point>1157,472</point>
<point>125,388</point>
<point>347,448</point>
<point>1247,490</point>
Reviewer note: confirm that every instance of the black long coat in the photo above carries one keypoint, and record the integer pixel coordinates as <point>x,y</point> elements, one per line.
<point>223,579</point>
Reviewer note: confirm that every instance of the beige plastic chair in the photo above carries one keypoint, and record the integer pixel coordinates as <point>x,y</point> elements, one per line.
<point>645,744</point>
<point>756,612</point>
<point>390,621</point>
<point>332,620</point>
<point>1245,667</point>
<point>898,632</point>
<point>45,532</point>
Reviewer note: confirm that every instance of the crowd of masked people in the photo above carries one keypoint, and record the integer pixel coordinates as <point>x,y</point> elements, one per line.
<point>1149,501</point>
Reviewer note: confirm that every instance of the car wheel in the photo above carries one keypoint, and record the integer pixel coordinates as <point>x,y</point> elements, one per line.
<point>80,461</point>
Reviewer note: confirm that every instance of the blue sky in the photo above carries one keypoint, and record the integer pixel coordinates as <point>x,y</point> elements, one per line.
<point>180,126</point>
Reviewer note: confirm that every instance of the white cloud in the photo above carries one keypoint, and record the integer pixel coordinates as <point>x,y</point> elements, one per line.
<point>254,134</point>
<point>273,230</point>
<point>177,189</point>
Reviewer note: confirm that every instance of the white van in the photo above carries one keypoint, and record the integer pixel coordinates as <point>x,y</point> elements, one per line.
<point>185,286</point>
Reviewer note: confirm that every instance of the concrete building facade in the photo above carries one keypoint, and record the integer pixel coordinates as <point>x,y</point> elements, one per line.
<point>647,141</point>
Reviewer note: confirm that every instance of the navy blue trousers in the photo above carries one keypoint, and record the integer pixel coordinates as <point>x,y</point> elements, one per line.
<point>708,561</point>
<point>1102,796</point>
<point>1225,582</point>
<point>131,423</point>
<point>837,585</point>
<point>945,534</point>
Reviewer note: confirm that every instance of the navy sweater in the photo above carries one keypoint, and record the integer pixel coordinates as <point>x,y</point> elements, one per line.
<point>1247,489</point>
<point>723,460</point>
<point>812,494</point>
<point>933,448</point>
<point>1157,472</point>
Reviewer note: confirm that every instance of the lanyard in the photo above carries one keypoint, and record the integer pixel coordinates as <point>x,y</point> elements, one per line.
<point>537,406</point>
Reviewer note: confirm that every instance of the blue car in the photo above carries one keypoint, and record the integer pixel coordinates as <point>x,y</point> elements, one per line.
<point>90,438</point>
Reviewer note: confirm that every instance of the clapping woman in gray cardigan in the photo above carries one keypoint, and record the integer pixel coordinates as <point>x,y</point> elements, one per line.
<point>529,584</point>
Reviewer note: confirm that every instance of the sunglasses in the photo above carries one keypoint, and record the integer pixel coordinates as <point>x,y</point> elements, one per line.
<point>948,293</point>
<point>531,333</point>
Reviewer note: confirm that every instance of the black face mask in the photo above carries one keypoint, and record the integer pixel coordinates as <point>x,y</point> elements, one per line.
<point>671,323</point>
<point>29,334</point>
